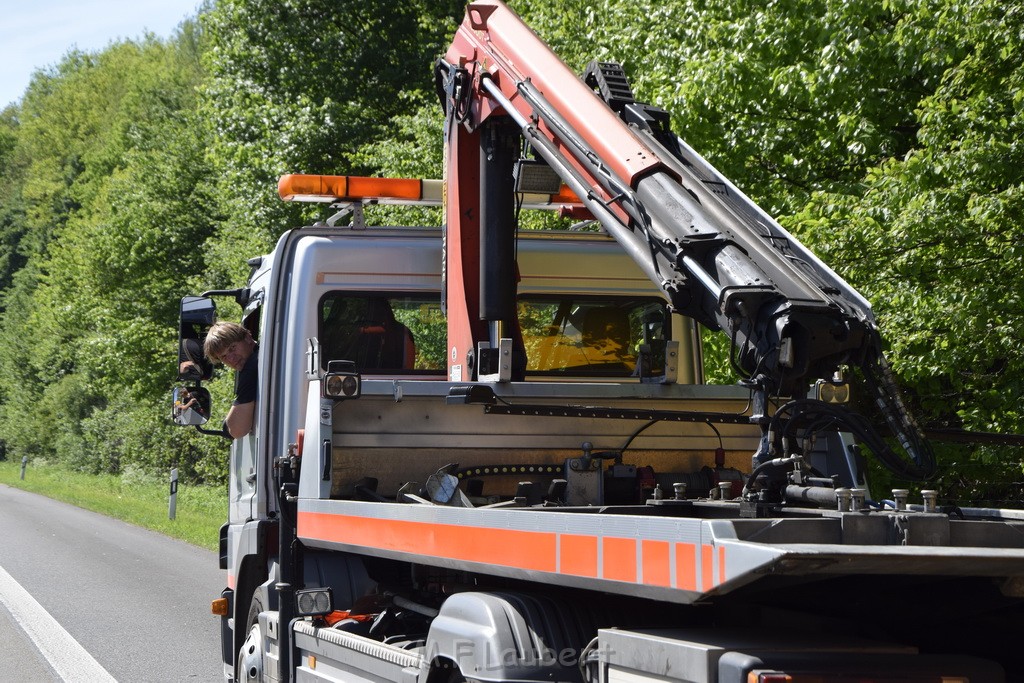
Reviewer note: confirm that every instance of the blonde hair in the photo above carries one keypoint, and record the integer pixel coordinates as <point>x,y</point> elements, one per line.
<point>220,337</point>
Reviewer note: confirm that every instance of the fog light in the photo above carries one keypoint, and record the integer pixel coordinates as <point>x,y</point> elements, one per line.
<point>313,602</point>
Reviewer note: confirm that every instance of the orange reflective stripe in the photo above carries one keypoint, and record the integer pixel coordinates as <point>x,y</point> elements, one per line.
<point>578,555</point>
<point>590,556</point>
<point>656,563</point>
<point>510,548</point>
<point>686,566</point>
<point>707,567</point>
<point>619,559</point>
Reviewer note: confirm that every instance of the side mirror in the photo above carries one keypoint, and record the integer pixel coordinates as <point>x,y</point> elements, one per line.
<point>191,406</point>
<point>197,315</point>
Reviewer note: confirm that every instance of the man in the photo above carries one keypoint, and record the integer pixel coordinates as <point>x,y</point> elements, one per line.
<point>233,345</point>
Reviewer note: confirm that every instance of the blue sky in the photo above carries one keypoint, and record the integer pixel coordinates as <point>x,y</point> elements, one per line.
<point>36,34</point>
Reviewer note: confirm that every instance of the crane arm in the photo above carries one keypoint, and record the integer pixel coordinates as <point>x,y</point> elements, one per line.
<point>717,256</point>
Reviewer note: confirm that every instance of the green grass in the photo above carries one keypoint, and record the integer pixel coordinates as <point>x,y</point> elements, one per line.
<point>142,501</point>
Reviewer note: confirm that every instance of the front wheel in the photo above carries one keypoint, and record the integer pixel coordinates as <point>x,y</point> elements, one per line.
<point>249,664</point>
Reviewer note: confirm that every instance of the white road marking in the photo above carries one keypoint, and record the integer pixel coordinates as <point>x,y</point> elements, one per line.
<point>68,658</point>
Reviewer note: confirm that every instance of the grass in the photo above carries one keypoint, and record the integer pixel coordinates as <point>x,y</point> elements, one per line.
<point>142,501</point>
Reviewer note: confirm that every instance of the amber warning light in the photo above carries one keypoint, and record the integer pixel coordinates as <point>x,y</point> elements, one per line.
<point>341,188</point>
<point>329,189</point>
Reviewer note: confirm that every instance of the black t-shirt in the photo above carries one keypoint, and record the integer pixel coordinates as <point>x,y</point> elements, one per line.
<point>246,380</point>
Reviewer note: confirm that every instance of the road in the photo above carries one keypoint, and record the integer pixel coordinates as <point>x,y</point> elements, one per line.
<point>87,598</point>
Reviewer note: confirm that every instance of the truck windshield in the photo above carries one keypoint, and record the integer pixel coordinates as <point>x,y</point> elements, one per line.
<point>564,336</point>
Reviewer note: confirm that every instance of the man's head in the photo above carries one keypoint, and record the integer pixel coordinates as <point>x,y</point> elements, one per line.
<point>228,343</point>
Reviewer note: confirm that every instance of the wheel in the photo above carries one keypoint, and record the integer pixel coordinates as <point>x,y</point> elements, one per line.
<point>249,665</point>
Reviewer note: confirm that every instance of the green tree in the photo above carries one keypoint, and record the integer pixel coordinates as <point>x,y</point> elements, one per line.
<point>885,134</point>
<point>12,208</point>
<point>90,316</point>
<point>933,236</point>
<point>297,87</point>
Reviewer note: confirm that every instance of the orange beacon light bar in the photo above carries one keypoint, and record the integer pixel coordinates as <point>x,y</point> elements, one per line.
<point>328,189</point>
<point>342,188</point>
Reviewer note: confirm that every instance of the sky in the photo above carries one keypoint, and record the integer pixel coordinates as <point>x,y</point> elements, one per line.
<point>37,34</point>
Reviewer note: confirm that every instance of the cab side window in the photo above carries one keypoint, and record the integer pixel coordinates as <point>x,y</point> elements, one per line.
<point>387,333</point>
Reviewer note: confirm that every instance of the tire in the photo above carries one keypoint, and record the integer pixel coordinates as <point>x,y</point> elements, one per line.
<point>249,662</point>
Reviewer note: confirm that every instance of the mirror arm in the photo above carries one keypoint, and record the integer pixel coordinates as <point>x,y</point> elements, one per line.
<point>241,294</point>
<point>213,432</point>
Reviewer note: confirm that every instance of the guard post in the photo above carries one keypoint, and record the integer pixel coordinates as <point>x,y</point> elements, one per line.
<point>172,506</point>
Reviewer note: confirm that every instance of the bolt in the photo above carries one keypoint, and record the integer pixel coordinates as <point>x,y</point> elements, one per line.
<point>899,496</point>
<point>930,500</point>
<point>679,488</point>
<point>859,496</point>
<point>725,490</point>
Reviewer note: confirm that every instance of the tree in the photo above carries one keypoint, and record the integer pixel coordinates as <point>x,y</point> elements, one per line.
<point>933,237</point>
<point>885,135</point>
<point>297,87</point>
<point>88,315</point>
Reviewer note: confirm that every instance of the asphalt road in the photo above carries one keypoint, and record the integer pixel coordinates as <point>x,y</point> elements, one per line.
<point>87,598</point>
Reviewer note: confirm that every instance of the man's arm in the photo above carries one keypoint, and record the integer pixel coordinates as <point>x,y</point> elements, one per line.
<point>239,419</point>
<point>243,411</point>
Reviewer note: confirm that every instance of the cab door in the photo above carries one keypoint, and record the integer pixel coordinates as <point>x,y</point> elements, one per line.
<point>244,466</point>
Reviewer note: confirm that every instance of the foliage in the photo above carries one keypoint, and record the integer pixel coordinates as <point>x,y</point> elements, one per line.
<point>886,135</point>
<point>933,236</point>
<point>111,165</point>
<point>296,87</point>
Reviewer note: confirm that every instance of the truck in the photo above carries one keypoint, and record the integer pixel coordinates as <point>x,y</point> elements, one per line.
<point>489,454</point>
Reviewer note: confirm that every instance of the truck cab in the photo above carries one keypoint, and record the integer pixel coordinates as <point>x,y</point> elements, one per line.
<point>595,330</point>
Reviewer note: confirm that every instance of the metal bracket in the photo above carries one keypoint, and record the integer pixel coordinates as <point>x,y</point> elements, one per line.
<point>354,209</point>
<point>495,363</point>
<point>312,358</point>
<point>585,482</point>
